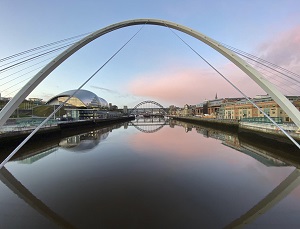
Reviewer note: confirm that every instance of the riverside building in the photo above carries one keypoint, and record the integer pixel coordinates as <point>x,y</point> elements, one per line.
<point>239,108</point>
<point>83,104</point>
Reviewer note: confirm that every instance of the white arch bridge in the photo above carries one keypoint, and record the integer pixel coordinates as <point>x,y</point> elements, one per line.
<point>278,97</point>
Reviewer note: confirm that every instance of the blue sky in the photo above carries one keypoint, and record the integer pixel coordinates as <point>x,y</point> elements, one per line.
<point>155,64</point>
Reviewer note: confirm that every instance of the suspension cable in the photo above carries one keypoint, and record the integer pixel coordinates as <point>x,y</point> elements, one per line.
<point>26,68</point>
<point>33,58</point>
<point>259,59</point>
<point>61,105</point>
<point>266,70</point>
<point>43,51</point>
<point>10,93</point>
<point>270,77</point>
<point>40,47</point>
<point>278,86</point>
<point>269,67</point>
<point>242,93</point>
<point>20,77</point>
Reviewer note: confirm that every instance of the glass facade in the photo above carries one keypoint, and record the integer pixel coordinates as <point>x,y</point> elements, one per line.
<point>82,98</point>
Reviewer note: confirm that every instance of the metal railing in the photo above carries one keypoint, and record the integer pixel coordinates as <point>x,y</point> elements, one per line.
<point>25,124</point>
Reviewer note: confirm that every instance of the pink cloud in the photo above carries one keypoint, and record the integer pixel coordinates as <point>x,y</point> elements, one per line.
<point>284,49</point>
<point>192,86</point>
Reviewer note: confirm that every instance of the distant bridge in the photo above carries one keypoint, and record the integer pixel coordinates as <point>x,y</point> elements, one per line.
<point>148,108</point>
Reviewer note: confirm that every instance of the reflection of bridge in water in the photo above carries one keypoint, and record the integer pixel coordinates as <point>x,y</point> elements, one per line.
<point>149,125</point>
<point>28,197</point>
<point>269,201</point>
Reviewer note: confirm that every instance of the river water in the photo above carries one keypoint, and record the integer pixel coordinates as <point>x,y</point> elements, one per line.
<point>149,174</point>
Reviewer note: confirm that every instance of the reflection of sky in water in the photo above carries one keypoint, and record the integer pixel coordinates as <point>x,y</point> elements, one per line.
<point>167,179</point>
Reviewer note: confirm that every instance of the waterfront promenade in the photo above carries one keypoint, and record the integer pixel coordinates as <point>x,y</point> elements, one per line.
<point>266,130</point>
<point>16,133</point>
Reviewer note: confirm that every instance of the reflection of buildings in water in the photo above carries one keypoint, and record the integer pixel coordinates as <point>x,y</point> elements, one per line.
<point>89,140</point>
<point>231,140</point>
<point>252,151</point>
<point>33,158</point>
<point>32,155</point>
<point>206,132</point>
<point>261,155</point>
<point>171,124</point>
<point>216,135</point>
<point>202,131</point>
<point>187,129</point>
<point>187,126</point>
<point>85,141</point>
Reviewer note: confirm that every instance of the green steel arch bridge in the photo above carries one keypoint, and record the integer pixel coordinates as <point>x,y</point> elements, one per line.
<point>149,108</point>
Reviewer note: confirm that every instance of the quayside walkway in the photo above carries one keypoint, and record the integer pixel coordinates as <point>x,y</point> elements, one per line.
<point>13,134</point>
<point>267,130</point>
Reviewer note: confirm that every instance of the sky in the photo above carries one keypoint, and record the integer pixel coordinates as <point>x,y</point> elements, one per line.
<point>155,65</point>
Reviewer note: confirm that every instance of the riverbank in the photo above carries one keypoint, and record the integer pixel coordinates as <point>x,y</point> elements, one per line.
<point>15,137</point>
<point>247,129</point>
<point>226,124</point>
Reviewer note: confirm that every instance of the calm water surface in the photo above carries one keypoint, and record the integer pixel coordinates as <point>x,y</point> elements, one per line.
<point>149,176</point>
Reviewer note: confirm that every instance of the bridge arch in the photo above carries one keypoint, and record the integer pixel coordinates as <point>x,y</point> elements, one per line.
<point>278,97</point>
<point>146,102</point>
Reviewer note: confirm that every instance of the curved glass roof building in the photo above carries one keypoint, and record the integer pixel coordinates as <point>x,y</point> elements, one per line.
<point>82,98</point>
